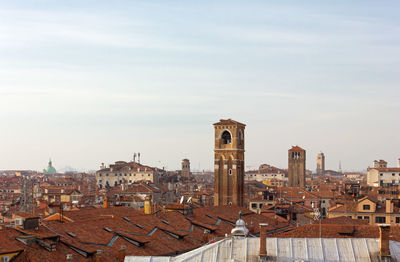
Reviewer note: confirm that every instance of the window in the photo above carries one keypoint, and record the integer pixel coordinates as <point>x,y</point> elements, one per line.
<point>120,174</point>
<point>381,174</point>
<point>359,217</point>
<point>366,218</point>
<point>226,137</point>
<point>253,205</point>
<point>116,174</point>
<point>230,172</point>
<point>366,207</point>
<point>397,220</point>
<point>5,259</point>
<point>100,174</point>
<point>100,181</point>
<point>148,174</point>
<point>107,174</point>
<point>380,220</point>
<point>125,174</point>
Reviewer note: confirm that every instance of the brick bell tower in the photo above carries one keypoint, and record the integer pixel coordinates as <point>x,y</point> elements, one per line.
<point>229,163</point>
<point>297,167</point>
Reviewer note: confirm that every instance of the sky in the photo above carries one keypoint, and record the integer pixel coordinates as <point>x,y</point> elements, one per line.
<point>86,82</point>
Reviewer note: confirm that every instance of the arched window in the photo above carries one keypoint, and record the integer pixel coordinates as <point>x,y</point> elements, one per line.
<point>226,137</point>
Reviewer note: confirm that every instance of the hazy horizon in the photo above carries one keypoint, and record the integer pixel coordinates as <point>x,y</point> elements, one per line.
<point>86,82</point>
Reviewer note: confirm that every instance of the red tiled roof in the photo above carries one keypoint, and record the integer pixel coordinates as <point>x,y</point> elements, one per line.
<point>296,148</point>
<point>228,122</point>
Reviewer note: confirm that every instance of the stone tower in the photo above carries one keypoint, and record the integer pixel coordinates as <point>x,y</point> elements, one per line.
<point>320,164</point>
<point>229,163</point>
<point>297,167</point>
<point>186,168</point>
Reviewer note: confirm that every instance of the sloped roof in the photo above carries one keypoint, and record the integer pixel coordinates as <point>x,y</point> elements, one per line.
<point>228,122</point>
<point>296,148</point>
<point>284,249</point>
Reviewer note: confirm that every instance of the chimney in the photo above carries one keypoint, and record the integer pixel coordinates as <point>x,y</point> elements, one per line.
<point>98,255</point>
<point>121,254</point>
<point>69,257</point>
<point>384,230</point>
<point>105,202</point>
<point>389,206</point>
<point>206,236</point>
<point>147,205</point>
<point>263,240</point>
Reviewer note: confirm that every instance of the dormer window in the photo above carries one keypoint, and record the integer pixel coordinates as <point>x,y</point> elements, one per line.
<point>226,137</point>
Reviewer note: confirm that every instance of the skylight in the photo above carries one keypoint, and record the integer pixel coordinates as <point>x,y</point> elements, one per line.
<point>107,229</point>
<point>72,234</point>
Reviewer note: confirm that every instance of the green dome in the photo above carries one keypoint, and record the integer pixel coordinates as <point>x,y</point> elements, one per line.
<point>50,169</point>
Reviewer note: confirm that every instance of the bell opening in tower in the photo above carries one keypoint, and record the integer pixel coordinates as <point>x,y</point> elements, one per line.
<point>226,137</point>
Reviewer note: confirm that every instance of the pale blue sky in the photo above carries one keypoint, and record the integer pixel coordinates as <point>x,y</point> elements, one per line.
<point>85,82</point>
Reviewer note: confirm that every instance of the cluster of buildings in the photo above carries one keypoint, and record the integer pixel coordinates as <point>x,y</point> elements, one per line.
<point>129,211</point>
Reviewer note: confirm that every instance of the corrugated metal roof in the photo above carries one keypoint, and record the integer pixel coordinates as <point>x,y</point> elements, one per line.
<point>284,249</point>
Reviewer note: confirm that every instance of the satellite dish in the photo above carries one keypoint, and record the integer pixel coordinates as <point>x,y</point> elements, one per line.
<point>181,200</point>
<point>189,200</point>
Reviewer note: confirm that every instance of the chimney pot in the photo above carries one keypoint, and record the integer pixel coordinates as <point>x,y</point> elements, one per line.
<point>69,257</point>
<point>121,254</point>
<point>263,240</point>
<point>147,205</point>
<point>384,231</point>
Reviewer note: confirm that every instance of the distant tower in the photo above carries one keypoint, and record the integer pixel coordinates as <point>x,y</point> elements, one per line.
<point>229,162</point>
<point>186,168</point>
<point>340,167</point>
<point>297,167</point>
<point>320,164</point>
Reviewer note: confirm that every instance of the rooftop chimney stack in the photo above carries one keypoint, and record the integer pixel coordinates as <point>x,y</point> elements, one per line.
<point>105,202</point>
<point>147,205</point>
<point>384,231</point>
<point>263,240</point>
<point>121,254</point>
<point>98,255</point>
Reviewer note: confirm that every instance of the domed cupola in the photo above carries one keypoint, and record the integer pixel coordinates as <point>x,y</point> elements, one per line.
<point>240,229</point>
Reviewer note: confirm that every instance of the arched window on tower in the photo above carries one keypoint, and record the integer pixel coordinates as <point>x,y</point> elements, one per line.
<point>226,137</point>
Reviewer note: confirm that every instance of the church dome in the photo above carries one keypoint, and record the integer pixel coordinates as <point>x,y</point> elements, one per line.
<point>50,169</point>
<point>240,229</point>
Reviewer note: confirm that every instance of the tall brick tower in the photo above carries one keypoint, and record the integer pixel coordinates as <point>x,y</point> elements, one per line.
<point>229,163</point>
<point>297,167</point>
<point>186,168</point>
<point>320,163</point>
